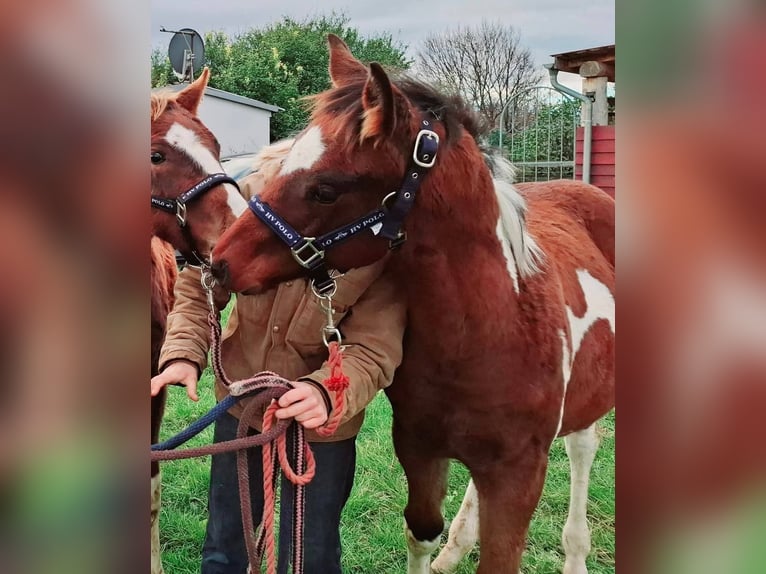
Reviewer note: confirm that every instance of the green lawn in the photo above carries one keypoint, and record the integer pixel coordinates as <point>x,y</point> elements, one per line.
<point>373,539</point>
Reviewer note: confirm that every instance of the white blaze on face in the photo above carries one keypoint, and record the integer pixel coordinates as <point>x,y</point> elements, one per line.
<point>188,142</point>
<point>307,149</point>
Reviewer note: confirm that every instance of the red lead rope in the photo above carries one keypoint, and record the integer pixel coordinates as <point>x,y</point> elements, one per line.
<point>336,383</point>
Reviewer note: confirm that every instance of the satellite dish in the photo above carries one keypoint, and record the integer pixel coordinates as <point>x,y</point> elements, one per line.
<point>187,53</point>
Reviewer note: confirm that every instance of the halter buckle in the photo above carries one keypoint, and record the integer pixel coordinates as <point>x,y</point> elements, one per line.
<point>307,254</point>
<point>181,213</point>
<point>430,134</point>
<point>398,241</point>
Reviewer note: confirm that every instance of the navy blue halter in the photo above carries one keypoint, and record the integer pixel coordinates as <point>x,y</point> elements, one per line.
<point>177,206</point>
<point>386,221</point>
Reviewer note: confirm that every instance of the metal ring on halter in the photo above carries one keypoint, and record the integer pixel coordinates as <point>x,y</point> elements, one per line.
<point>181,213</point>
<point>329,295</point>
<point>206,278</point>
<point>208,282</point>
<point>328,332</point>
<point>389,196</point>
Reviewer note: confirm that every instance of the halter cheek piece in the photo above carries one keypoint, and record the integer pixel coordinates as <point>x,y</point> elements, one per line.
<point>385,221</point>
<point>178,207</point>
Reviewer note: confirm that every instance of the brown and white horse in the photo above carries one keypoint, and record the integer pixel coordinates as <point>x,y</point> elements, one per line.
<point>510,293</point>
<point>183,154</point>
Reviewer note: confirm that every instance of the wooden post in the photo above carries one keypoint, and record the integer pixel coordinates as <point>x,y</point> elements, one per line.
<point>594,81</point>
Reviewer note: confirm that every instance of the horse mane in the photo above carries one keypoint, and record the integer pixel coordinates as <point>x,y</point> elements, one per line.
<point>163,278</point>
<point>345,103</point>
<point>513,215</point>
<point>160,101</point>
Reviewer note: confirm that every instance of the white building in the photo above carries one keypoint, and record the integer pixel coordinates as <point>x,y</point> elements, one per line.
<point>240,124</point>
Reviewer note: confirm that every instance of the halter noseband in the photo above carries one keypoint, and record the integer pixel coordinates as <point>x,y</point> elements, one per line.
<point>386,221</point>
<point>178,207</point>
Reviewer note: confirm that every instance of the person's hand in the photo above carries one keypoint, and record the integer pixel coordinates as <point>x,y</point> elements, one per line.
<point>306,403</point>
<point>180,372</point>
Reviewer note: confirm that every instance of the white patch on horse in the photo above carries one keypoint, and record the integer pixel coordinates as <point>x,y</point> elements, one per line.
<point>599,304</point>
<point>419,552</point>
<point>188,142</point>
<point>308,148</point>
<point>463,533</point>
<point>156,549</point>
<point>567,359</point>
<point>581,449</point>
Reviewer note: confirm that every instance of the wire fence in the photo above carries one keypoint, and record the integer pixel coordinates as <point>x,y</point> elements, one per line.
<point>536,132</point>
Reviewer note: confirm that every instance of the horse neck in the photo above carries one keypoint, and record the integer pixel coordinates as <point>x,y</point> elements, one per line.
<point>453,255</point>
<point>456,210</point>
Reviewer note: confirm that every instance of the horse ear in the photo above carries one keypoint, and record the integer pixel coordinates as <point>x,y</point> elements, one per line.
<point>344,68</point>
<point>383,105</point>
<point>191,96</point>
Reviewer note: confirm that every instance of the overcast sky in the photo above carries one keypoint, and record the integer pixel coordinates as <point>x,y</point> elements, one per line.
<point>546,26</point>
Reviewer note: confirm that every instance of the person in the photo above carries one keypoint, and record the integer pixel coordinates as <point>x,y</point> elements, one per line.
<point>281,330</point>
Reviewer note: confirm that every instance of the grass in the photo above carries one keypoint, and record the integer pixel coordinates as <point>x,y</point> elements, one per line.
<point>372,527</point>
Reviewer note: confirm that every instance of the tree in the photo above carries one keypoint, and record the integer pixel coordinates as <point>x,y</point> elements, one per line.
<point>162,70</point>
<point>284,62</point>
<point>486,65</point>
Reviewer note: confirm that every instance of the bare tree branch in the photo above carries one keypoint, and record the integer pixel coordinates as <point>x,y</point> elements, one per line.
<point>486,64</point>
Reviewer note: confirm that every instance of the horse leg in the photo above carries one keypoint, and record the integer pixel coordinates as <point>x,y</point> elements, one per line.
<point>427,487</point>
<point>508,496</point>
<point>581,449</point>
<point>158,407</point>
<point>463,533</point>
<point>155,525</point>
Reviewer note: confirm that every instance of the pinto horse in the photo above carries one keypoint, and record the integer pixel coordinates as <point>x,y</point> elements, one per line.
<point>510,293</point>
<point>194,202</point>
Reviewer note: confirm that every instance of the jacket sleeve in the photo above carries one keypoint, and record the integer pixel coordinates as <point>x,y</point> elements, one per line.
<point>188,333</point>
<point>372,345</point>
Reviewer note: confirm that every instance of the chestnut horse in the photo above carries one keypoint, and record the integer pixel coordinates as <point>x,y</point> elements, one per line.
<point>510,334</point>
<point>164,273</point>
<point>194,202</point>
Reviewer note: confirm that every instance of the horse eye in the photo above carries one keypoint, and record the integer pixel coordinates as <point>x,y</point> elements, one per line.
<point>157,157</point>
<point>324,194</point>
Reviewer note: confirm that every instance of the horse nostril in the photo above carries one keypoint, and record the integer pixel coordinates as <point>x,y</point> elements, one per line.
<point>220,270</point>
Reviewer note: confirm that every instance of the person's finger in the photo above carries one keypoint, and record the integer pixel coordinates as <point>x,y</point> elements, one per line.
<point>309,413</point>
<point>314,422</point>
<point>292,411</point>
<point>171,376</point>
<point>191,390</point>
<point>160,381</point>
<point>293,396</point>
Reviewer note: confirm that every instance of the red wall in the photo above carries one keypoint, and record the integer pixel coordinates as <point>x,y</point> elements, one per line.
<point>602,157</point>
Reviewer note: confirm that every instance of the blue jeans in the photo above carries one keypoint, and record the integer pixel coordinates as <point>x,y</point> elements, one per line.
<point>224,549</point>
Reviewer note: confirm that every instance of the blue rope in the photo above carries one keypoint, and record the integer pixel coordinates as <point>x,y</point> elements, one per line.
<point>199,425</point>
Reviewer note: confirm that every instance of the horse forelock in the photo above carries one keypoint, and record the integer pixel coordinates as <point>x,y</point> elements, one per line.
<point>159,103</point>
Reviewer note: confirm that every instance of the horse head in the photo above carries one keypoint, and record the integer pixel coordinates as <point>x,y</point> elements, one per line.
<point>193,199</point>
<point>338,193</point>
